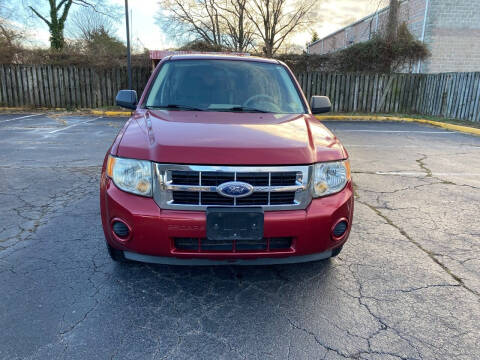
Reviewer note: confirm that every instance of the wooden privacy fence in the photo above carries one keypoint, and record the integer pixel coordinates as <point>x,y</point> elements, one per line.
<point>451,95</point>
<point>65,86</point>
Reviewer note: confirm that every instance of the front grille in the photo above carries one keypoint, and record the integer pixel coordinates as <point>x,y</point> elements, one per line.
<point>216,178</point>
<point>258,198</point>
<point>255,179</point>
<point>283,178</point>
<point>205,245</point>
<point>185,177</point>
<point>213,198</point>
<point>186,197</point>
<point>210,178</point>
<point>282,198</point>
<point>193,187</point>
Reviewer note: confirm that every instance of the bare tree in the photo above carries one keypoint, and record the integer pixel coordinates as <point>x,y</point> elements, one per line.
<point>58,13</point>
<point>8,11</point>
<point>275,20</point>
<point>239,30</point>
<point>86,22</point>
<point>11,38</point>
<point>237,24</point>
<point>191,19</point>
<point>221,23</point>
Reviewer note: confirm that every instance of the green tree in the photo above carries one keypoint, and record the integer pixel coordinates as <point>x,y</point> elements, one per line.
<point>58,14</point>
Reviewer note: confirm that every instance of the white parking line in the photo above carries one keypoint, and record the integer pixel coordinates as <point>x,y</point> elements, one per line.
<point>21,117</point>
<point>434,146</point>
<point>395,131</point>
<point>388,146</point>
<point>422,174</point>
<point>73,125</point>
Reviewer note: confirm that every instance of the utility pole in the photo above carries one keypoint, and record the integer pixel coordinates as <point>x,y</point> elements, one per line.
<point>129,60</point>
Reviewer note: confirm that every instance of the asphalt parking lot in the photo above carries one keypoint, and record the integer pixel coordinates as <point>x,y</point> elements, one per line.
<point>406,286</point>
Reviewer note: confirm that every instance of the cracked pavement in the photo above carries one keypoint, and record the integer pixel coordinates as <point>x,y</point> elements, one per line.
<point>406,285</point>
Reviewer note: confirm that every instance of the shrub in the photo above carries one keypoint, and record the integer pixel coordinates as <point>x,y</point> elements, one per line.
<point>376,55</point>
<point>380,55</point>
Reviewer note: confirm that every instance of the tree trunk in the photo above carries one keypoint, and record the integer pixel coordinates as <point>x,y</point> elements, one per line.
<point>57,41</point>
<point>392,24</point>
<point>268,48</point>
<point>56,24</point>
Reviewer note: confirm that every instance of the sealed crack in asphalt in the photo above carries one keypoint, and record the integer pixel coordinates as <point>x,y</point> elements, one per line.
<point>422,165</point>
<point>418,245</point>
<point>409,238</point>
<point>54,203</point>
<point>383,324</point>
<point>315,337</point>
<point>358,306</point>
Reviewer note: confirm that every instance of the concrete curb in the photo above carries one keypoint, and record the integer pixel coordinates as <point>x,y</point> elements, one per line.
<point>93,112</point>
<point>111,113</point>
<point>453,127</point>
<point>37,109</point>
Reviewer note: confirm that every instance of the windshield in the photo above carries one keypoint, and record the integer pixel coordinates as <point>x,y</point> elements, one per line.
<point>224,85</point>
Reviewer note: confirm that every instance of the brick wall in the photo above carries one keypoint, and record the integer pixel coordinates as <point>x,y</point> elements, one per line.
<point>452,33</point>
<point>453,36</point>
<point>411,12</point>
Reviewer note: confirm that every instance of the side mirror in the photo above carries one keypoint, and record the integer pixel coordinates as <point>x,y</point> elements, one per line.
<point>127,99</point>
<point>320,104</point>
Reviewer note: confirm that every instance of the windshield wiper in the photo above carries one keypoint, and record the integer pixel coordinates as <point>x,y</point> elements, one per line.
<point>175,106</point>
<point>241,109</point>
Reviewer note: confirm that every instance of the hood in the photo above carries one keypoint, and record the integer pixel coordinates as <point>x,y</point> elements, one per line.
<point>226,138</point>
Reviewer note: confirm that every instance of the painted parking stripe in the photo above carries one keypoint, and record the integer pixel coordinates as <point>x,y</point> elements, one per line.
<point>420,174</point>
<point>73,125</point>
<point>434,146</point>
<point>387,146</point>
<point>21,117</point>
<point>396,131</point>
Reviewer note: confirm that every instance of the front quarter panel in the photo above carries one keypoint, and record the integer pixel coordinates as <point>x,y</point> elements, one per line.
<point>116,143</point>
<point>325,142</point>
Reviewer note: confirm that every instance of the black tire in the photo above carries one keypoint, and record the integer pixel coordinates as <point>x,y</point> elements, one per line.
<point>336,251</point>
<point>116,255</point>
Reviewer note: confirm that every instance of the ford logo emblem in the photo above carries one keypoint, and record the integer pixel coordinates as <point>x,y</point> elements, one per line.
<point>235,189</point>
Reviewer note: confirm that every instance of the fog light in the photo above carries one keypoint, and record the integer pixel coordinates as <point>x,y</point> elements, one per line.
<point>120,229</point>
<point>340,229</point>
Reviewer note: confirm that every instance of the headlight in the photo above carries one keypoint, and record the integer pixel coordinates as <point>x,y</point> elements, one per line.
<point>130,175</point>
<point>330,178</point>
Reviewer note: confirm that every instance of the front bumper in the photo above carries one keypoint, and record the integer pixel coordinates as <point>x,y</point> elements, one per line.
<point>153,230</point>
<point>168,260</point>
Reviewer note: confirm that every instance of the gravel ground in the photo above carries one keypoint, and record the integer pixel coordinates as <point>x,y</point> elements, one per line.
<point>406,286</point>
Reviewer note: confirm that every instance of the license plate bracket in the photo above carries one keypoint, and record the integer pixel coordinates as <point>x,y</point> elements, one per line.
<point>235,223</point>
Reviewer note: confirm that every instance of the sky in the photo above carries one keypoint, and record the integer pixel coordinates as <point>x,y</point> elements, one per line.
<point>331,16</point>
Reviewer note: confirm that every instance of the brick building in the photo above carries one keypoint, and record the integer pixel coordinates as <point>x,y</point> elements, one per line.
<point>450,28</point>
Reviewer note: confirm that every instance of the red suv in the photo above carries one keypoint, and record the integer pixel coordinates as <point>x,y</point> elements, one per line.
<point>222,162</point>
